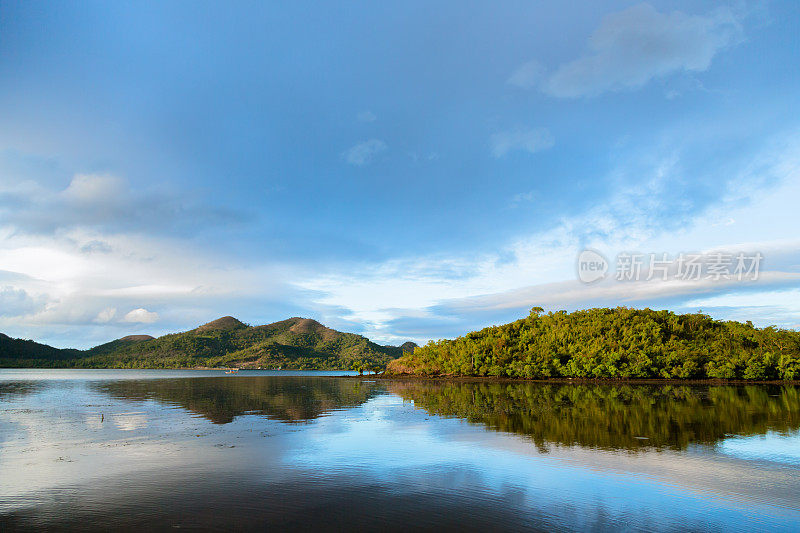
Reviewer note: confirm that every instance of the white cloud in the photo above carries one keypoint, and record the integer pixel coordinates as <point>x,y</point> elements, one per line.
<point>72,296</point>
<point>574,294</point>
<point>89,260</point>
<point>366,116</point>
<point>634,46</point>
<point>142,316</point>
<point>435,295</point>
<point>527,140</point>
<point>104,202</point>
<point>365,152</point>
<point>106,315</point>
<point>17,301</point>
<point>95,189</point>
<point>74,290</point>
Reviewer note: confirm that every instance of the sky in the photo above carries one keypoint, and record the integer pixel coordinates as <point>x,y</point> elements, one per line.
<point>402,170</point>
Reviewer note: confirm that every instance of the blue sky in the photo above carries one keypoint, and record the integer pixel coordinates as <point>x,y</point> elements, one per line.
<point>402,170</point>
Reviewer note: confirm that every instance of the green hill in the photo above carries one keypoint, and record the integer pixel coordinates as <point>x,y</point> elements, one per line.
<point>295,343</point>
<point>616,343</point>
<point>19,349</point>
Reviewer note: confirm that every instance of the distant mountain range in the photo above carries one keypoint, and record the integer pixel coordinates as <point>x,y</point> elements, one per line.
<point>295,343</point>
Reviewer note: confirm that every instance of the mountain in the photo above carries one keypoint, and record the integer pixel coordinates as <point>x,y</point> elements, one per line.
<point>14,349</point>
<point>616,343</point>
<point>408,347</point>
<point>295,343</point>
<point>116,345</point>
<point>226,323</point>
<point>132,338</point>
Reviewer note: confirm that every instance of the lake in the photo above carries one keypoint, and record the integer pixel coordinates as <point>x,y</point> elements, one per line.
<point>130,450</point>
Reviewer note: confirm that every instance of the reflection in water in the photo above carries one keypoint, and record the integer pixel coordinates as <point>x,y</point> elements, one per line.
<point>11,389</point>
<point>629,417</point>
<point>220,400</point>
<point>215,453</point>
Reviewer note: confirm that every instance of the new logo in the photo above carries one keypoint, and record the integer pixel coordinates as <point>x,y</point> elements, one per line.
<point>592,266</point>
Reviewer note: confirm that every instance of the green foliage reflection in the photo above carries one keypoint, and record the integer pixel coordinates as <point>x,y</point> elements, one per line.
<point>628,417</point>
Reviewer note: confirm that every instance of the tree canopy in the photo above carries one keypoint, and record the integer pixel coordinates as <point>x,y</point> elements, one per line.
<point>618,343</point>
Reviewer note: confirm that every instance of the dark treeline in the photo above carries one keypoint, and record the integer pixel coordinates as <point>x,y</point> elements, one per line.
<point>616,343</point>
<point>619,416</point>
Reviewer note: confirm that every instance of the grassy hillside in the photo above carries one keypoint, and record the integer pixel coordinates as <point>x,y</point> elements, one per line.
<point>613,343</point>
<point>296,343</point>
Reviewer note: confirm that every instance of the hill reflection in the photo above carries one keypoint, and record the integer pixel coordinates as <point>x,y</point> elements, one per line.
<point>613,417</point>
<point>12,389</point>
<point>220,400</point>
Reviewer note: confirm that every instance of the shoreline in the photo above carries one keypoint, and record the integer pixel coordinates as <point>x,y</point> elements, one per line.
<point>578,381</point>
<point>459,379</point>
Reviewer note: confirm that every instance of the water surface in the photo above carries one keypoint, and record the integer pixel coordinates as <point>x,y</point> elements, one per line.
<point>132,450</point>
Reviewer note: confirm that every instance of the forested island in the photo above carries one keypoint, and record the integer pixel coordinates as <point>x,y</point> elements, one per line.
<point>295,343</point>
<point>616,343</point>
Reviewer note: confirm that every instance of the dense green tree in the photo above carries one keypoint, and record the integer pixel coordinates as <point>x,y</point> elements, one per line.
<point>616,343</point>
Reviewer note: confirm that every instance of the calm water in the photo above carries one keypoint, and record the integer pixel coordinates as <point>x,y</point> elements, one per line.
<point>133,450</point>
